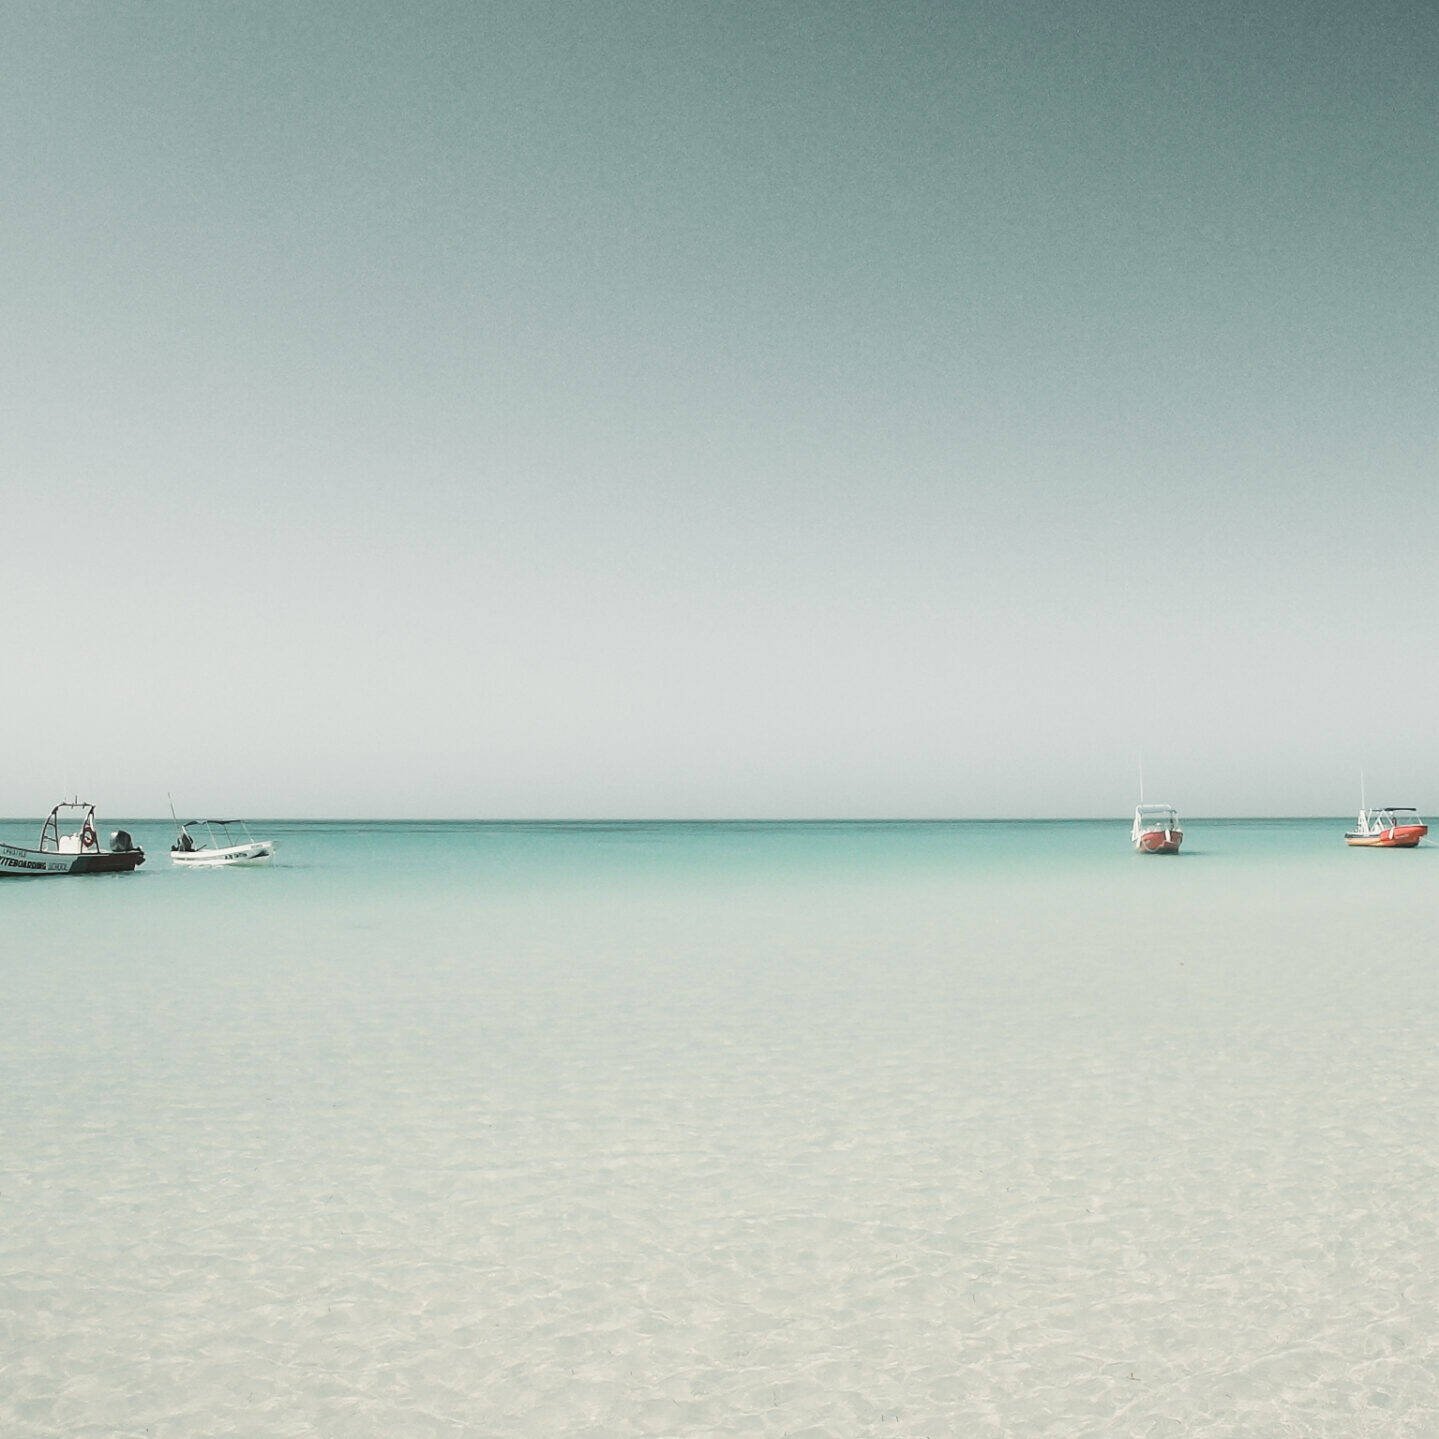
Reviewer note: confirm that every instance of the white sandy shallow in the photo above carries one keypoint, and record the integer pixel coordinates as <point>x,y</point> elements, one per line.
<point>897,1157</point>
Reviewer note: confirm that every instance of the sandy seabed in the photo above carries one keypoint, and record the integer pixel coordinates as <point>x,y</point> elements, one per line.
<point>897,1159</point>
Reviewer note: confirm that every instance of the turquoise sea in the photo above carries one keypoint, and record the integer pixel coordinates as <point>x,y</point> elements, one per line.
<point>719,1129</point>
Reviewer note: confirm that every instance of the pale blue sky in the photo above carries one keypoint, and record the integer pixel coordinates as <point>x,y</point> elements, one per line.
<point>704,409</point>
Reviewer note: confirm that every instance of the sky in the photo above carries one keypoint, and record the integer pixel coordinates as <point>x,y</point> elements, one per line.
<point>675,409</point>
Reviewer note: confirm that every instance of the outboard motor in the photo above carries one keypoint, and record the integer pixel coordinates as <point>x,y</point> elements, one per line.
<point>121,842</point>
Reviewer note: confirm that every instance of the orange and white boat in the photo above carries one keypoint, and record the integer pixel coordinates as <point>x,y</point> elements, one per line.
<point>1156,829</point>
<point>1396,826</point>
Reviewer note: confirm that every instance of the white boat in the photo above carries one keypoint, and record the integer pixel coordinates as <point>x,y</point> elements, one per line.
<point>224,842</point>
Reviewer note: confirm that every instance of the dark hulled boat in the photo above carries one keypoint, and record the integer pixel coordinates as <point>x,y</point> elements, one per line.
<point>75,852</point>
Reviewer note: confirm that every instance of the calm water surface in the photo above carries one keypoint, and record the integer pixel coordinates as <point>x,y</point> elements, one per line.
<point>724,1129</point>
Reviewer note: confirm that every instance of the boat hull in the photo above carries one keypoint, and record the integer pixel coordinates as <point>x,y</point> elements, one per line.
<point>1159,841</point>
<point>1402,836</point>
<point>262,851</point>
<point>19,863</point>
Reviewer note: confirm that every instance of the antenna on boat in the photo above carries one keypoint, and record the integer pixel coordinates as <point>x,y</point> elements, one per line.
<point>1141,779</point>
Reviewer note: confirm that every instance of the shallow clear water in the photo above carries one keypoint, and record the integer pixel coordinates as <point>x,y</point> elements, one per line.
<point>724,1129</point>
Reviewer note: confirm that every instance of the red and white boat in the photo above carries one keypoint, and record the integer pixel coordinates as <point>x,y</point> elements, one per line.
<point>1156,829</point>
<point>1396,826</point>
<point>78,852</point>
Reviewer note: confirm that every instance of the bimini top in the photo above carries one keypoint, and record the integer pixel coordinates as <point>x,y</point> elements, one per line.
<point>224,825</point>
<point>219,831</point>
<point>1154,811</point>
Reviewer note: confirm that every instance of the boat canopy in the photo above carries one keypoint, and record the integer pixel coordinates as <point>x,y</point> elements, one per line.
<point>1156,811</point>
<point>1391,814</point>
<point>218,831</point>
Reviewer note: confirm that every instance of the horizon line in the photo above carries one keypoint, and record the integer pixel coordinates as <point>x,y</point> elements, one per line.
<point>710,819</point>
